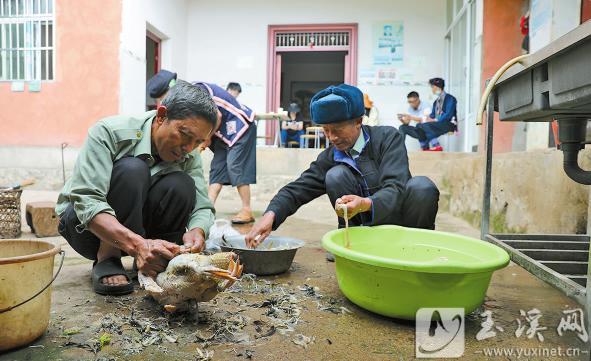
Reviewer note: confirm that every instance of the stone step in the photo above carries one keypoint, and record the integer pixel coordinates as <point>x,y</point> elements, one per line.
<point>444,199</point>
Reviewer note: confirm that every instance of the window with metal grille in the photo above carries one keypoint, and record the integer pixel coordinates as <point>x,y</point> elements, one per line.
<point>317,39</point>
<point>27,40</point>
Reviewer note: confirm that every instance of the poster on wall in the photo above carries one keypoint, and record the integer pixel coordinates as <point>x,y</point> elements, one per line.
<point>540,24</point>
<point>388,42</point>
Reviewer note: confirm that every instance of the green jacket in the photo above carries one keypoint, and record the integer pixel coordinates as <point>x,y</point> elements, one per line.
<point>111,139</point>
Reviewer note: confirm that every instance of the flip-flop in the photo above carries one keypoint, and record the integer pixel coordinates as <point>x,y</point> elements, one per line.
<point>110,267</point>
<point>243,217</point>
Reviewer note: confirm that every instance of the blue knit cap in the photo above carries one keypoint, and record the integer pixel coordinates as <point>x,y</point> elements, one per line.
<point>337,104</point>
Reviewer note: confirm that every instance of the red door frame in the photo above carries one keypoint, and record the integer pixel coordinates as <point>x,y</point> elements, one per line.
<point>158,42</point>
<point>274,60</point>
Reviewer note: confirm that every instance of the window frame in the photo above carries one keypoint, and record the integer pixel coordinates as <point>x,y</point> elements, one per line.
<point>27,41</point>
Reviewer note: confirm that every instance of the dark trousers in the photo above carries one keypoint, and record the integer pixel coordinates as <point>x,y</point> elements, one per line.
<point>419,206</point>
<point>235,165</point>
<point>416,133</point>
<point>157,211</point>
<point>425,132</point>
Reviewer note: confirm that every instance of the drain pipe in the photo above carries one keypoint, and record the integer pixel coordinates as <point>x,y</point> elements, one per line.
<point>572,133</point>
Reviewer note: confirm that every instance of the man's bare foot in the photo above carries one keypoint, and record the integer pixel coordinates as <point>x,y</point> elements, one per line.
<point>107,251</point>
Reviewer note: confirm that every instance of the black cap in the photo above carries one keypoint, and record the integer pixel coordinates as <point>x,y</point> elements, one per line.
<point>158,84</point>
<point>293,108</point>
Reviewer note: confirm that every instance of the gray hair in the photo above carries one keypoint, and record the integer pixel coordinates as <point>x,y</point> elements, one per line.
<point>184,101</point>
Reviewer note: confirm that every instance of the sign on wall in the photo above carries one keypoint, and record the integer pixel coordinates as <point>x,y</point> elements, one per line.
<point>388,42</point>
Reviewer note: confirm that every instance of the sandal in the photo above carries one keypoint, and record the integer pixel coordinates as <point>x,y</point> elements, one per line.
<point>110,267</point>
<point>243,217</point>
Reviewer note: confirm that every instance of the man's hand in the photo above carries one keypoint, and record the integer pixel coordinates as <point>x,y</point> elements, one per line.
<point>152,255</point>
<point>355,205</point>
<point>260,231</point>
<point>194,240</point>
<point>404,118</point>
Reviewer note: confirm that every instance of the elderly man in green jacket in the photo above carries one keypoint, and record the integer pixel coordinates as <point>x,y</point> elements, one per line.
<point>138,189</point>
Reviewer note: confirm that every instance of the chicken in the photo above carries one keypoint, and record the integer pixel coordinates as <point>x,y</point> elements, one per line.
<point>192,277</point>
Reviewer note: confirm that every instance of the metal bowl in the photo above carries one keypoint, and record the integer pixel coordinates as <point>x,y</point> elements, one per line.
<point>273,256</point>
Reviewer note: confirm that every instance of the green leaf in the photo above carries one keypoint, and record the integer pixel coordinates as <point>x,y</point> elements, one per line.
<point>104,340</point>
<point>71,331</point>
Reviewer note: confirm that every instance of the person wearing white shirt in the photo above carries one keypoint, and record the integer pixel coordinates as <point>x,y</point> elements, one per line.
<point>419,111</point>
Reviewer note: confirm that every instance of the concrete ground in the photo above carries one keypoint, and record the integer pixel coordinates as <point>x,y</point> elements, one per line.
<point>277,317</point>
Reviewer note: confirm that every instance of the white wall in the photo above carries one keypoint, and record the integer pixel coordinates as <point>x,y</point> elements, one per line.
<point>473,139</point>
<point>167,20</point>
<point>229,43</point>
<point>549,20</point>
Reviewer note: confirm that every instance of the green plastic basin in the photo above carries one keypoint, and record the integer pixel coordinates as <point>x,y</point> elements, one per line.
<point>394,271</point>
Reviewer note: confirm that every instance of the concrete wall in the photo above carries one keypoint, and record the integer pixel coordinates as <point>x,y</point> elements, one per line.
<point>229,43</point>
<point>501,42</point>
<point>86,84</point>
<point>101,56</point>
<point>530,192</point>
<point>168,21</point>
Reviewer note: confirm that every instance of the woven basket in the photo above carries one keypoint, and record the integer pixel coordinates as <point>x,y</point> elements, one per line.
<point>10,213</point>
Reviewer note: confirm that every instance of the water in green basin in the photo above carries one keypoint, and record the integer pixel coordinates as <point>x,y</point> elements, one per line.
<point>394,270</point>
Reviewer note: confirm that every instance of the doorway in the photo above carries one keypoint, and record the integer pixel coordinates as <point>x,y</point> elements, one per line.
<point>152,63</point>
<point>304,59</point>
<point>303,74</point>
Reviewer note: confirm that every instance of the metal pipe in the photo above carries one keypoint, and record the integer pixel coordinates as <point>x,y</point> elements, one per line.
<point>571,164</point>
<point>492,83</point>
<point>571,134</point>
<point>64,146</point>
<point>485,220</point>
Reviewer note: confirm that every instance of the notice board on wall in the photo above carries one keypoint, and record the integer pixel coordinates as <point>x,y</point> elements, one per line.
<point>388,42</point>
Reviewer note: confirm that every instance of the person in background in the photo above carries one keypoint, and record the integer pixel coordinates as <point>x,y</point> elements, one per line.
<point>234,88</point>
<point>443,117</point>
<point>371,113</point>
<point>292,129</point>
<point>524,26</point>
<point>233,143</point>
<point>418,111</point>
<point>159,84</point>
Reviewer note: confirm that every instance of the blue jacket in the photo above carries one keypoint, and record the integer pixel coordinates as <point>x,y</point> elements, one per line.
<point>382,168</point>
<point>447,119</point>
<point>448,111</point>
<point>236,118</point>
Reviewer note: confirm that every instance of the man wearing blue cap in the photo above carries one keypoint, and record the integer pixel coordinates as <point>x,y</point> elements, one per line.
<point>365,170</point>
